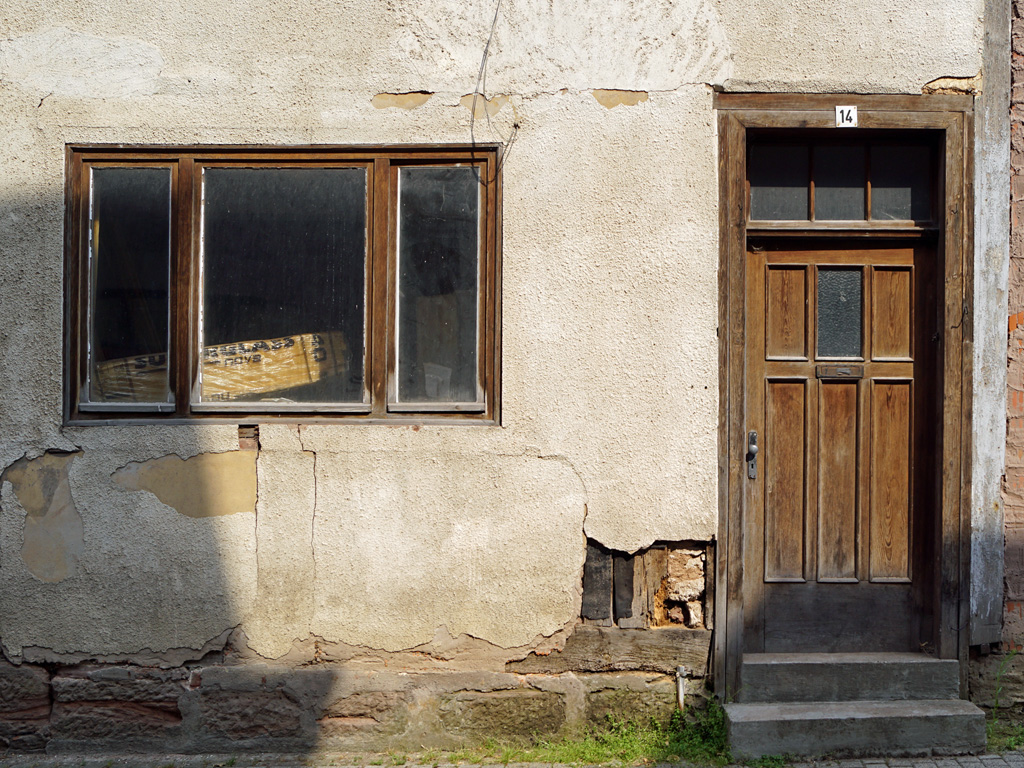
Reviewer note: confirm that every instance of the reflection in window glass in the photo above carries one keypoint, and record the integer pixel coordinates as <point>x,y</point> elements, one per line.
<point>839,182</point>
<point>438,274</point>
<point>778,182</point>
<point>284,254</point>
<point>129,255</point>
<point>839,312</point>
<point>900,183</point>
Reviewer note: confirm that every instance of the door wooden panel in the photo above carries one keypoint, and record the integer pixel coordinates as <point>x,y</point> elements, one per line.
<point>840,502</point>
<point>890,480</point>
<point>837,481</point>
<point>890,314</point>
<point>785,477</point>
<point>786,305</point>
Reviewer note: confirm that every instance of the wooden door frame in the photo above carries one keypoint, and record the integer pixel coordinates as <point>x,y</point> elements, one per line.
<point>953,116</point>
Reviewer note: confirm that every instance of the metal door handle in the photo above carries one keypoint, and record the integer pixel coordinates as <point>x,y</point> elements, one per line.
<point>752,455</point>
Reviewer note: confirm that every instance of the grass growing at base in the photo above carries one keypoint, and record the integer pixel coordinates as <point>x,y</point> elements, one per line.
<point>697,736</point>
<point>1004,735</point>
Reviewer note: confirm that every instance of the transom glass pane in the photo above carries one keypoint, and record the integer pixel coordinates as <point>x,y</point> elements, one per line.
<point>284,264</point>
<point>779,181</point>
<point>900,183</point>
<point>839,312</point>
<point>129,269</point>
<point>438,275</point>
<point>839,182</point>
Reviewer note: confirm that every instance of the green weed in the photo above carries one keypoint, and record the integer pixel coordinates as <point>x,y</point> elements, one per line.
<point>1002,736</point>
<point>768,761</point>
<point>696,736</point>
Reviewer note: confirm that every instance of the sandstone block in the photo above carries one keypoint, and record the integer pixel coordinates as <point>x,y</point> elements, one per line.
<point>622,705</point>
<point>24,690</point>
<point>376,705</point>
<point>114,722</point>
<point>250,714</point>
<point>124,684</point>
<point>502,714</point>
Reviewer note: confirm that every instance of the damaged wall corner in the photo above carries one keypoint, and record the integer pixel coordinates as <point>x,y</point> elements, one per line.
<point>668,584</point>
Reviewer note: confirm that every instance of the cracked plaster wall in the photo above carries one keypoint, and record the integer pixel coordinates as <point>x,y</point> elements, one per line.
<point>392,537</point>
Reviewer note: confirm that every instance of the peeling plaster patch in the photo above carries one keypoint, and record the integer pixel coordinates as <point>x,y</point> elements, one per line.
<point>954,85</point>
<point>62,62</point>
<point>53,540</point>
<point>409,100</point>
<point>609,98</point>
<point>207,485</point>
<point>483,107</point>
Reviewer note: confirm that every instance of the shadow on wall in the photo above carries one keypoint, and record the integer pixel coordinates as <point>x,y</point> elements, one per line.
<point>124,587</point>
<point>128,555</point>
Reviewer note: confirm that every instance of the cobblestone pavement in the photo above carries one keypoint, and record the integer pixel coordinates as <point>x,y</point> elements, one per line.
<point>1005,760</point>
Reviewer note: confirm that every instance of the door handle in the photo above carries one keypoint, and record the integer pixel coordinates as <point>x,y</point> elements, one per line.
<point>752,455</point>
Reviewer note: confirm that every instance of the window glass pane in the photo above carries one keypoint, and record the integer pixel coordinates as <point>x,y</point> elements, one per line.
<point>129,266</point>
<point>839,312</point>
<point>778,182</point>
<point>438,276</point>
<point>839,182</point>
<point>284,264</point>
<point>900,183</point>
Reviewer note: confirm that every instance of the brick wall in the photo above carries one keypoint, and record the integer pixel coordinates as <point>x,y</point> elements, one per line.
<point>1013,488</point>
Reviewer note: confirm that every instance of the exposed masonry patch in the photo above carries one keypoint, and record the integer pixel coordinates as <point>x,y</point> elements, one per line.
<point>206,485</point>
<point>954,85</point>
<point>53,538</point>
<point>483,107</point>
<point>409,100</point>
<point>63,62</point>
<point>611,98</point>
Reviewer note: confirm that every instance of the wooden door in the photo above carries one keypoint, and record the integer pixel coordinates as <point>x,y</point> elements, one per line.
<point>841,492</point>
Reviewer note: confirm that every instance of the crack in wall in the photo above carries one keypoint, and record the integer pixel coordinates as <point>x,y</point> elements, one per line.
<point>312,522</point>
<point>312,525</point>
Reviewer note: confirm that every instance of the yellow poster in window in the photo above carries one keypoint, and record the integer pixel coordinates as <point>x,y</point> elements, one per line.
<point>244,370</point>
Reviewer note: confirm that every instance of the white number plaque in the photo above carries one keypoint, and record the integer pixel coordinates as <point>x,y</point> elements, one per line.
<point>846,117</point>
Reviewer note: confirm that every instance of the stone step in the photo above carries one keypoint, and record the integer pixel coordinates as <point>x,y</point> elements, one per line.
<point>794,677</point>
<point>855,728</point>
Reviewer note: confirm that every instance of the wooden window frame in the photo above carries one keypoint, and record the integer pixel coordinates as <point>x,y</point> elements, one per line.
<point>186,163</point>
<point>952,117</point>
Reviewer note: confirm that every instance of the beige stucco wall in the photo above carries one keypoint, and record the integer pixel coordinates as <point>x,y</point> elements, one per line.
<point>394,537</point>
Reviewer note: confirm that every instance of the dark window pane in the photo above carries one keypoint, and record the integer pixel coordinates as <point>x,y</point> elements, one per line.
<point>284,264</point>
<point>839,312</point>
<point>839,182</point>
<point>129,254</point>
<point>778,182</point>
<point>438,274</point>
<point>900,183</point>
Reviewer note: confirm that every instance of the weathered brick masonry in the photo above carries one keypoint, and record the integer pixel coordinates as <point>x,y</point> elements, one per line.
<point>1014,481</point>
<point>999,679</point>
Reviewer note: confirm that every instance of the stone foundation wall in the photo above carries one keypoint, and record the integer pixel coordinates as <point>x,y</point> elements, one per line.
<point>228,702</point>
